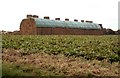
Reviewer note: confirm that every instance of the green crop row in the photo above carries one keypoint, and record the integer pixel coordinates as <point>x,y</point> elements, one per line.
<point>89,47</point>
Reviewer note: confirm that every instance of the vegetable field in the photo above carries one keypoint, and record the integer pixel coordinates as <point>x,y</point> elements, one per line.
<point>60,55</point>
<point>89,47</point>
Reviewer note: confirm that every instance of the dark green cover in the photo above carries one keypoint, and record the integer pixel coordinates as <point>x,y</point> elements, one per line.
<point>66,24</point>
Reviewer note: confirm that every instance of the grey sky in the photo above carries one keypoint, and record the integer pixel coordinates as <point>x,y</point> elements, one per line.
<point>99,11</point>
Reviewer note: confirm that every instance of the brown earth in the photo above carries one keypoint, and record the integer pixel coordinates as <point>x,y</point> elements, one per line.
<point>60,64</point>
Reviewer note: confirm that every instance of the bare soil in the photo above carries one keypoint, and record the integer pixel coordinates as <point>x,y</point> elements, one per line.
<point>60,64</point>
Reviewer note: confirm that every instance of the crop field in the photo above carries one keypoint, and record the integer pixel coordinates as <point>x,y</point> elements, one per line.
<point>60,55</point>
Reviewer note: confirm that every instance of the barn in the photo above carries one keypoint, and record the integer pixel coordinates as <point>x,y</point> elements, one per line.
<point>33,25</point>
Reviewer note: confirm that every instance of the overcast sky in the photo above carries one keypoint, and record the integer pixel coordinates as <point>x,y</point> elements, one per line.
<point>99,11</point>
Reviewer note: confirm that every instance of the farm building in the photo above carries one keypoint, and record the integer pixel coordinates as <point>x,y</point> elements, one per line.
<point>33,25</point>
